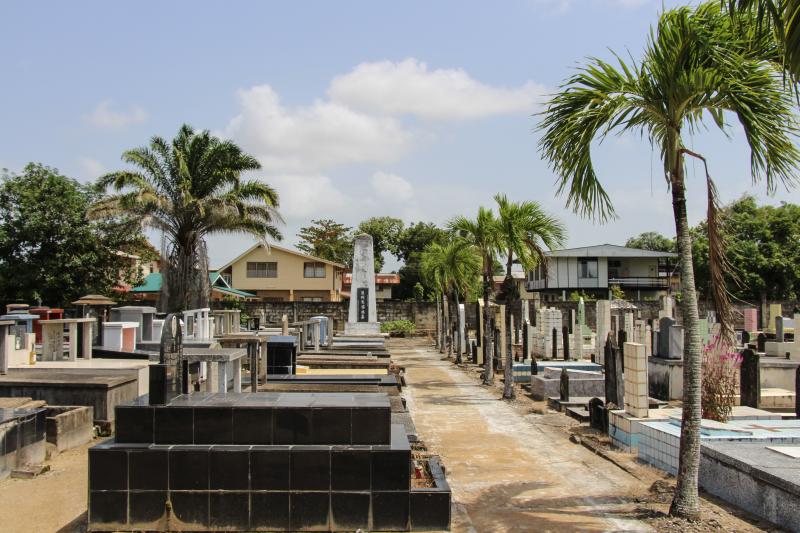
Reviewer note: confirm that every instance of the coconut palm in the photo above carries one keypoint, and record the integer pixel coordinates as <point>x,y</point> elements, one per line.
<point>698,63</point>
<point>483,233</point>
<point>526,232</point>
<point>451,268</point>
<point>188,189</point>
<point>783,16</point>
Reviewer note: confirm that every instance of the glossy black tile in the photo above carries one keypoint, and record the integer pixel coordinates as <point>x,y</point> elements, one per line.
<point>108,469</point>
<point>148,469</point>
<point>390,511</point>
<point>350,469</point>
<point>331,426</point>
<point>191,508</point>
<point>310,511</point>
<point>311,469</point>
<point>188,468</point>
<point>134,424</point>
<point>371,425</point>
<point>391,470</point>
<point>213,425</point>
<point>291,426</point>
<point>147,507</point>
<point>269,511</point>
<point>430,511</point>
<point>230,510</point>
<point>173,425</point>
<point>108,507</point>
<point>350,511</point>
<point>252,425</point>
<point>229,468</point>
<point>269,468</point>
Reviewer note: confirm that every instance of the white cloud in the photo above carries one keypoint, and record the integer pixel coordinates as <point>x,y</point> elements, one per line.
<point>312,138</point>
<point>102,116</point>
<point>410,87</point>
<point>388,186</point>
<point>306,197</point>
<point>91,168</point>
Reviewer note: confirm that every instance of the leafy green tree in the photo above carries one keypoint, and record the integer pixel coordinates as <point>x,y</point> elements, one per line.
<point>49,249</point>
<point>763,248</point>
<point>327,239</point>
<point>526,232</point>
<point>385,233</point>
<point>412,242</point>
<point>651,240</point>
<point>483,234</point>
<point>190,188</point>
<point>699,63</point>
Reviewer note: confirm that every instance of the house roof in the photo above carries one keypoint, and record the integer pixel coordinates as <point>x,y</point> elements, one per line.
<point>607,250</point>
<point>281,249</point>
<point>153,281</point>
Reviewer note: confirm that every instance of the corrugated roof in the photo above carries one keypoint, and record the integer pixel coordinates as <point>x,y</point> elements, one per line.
<point>153,281</point>
<point>607,250</point>
<point>281,249</point>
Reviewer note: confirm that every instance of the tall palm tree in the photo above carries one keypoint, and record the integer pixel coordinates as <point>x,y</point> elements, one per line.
<point>451,268</point>
<point>698,63</point>
<point>526,232</point>
<point>187,189</point>
<point>783,16</point>
<point>483,233</point>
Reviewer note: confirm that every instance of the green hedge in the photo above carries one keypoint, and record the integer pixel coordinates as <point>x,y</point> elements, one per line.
<point>398,327</point>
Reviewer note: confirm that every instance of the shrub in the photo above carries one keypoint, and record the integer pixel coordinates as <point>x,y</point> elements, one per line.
<point>398,328</point>
<point>720,380</point>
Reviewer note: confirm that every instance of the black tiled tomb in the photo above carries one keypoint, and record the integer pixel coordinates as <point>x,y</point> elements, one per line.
<point>147,507</point>
<point>390,511</point>
<point>269,511</point>
<point>291,426</point>
<point>349,510</point>
<point>309,511</point>
<point>148,469</point>
<point>191,507</point>
<point>371,426</point>
<point>108,469</point>
<point>351,469</point>
<point>213,425</point>
<point>108,507</point>
<point>269,467</point>
<point>229,468</point>
<point>252,426</point>
<point>311,469</point>
<point>230,510</point>
<point>188,468</point>
<point>331,426</point>
<point>173,425</point>
<point>430,511</point>
<point>134,424</point>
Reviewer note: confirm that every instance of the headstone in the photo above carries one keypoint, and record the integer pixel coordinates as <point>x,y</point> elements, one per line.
<point>636,386</point>
<point>564,385</point>
<point>598,415</point>
<point>462,330</point>
<point>778,321</point>
<point>675,350</point>
<point>750,380</point>
<point>284,325</point>
<point>535,366</point>
<point>526,346</point>
<point>751,319</point>
<point>565,340</point>
<point>745,337</point>
<point>526,311</point>
<point>169,377</point>
<point>664,325</point>
<point>622,338</point>
<point>555,343</point>
<point>362,318</point>
<point>610,374</point>
<point>761,342</point>
<point>474,345</point>
<point>774,311</point>
<point>603,326</point>
<point>666,307</point>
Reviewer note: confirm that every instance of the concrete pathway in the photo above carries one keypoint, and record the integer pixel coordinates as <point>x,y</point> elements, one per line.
<point>509,471</point>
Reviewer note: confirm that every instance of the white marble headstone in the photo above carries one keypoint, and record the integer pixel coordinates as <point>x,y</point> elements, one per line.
<point>362,318</point>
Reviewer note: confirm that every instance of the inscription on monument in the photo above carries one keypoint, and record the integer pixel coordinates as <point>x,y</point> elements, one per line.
<point>362,295</point>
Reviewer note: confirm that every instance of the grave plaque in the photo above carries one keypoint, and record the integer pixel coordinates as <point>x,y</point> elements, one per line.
<point>675,343</point>
<point>750,382</point>
<point>664,325</point>
<point>363,304</point>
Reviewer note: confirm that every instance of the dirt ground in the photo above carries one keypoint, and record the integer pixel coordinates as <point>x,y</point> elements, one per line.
<point>513,467</point>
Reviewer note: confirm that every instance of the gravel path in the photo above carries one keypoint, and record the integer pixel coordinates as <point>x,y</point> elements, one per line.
<point>509,471</point>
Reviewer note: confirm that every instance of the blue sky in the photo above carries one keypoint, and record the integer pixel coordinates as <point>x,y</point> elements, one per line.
<point>421,110</point>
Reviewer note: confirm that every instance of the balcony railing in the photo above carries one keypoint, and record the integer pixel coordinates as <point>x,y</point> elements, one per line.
<point>640,282</point>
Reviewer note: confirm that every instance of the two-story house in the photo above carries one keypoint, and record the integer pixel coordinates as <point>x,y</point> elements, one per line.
<point>280,274</point>
<point>642,274</point>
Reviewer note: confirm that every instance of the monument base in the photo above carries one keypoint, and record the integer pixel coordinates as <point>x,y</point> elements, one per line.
<point>370,329</point>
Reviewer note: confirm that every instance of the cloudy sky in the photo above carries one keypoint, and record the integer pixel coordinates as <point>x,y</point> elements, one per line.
<point>420,110</point>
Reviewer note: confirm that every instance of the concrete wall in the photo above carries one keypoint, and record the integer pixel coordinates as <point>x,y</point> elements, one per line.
<point>422,314</point>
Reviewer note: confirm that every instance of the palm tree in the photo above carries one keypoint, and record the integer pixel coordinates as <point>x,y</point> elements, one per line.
<point>783,16</point>
<point>450,268</point>
<point>526,231</point>
<point>187,189</point>
<point>698,63</point>
<point>483,233</point>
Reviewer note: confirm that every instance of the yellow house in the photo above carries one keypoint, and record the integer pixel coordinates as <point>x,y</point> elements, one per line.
<point>280,274</point>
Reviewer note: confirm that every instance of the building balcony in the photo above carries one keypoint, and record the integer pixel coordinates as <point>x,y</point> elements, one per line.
<point>646,283</point>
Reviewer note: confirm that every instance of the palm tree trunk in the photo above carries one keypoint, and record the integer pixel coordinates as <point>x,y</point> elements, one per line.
<point>446,327</point>
<point>438,322</point>
<point>459,326</point>
<point>686,502</point>
<point>508,368</point>
<point>488,374</point>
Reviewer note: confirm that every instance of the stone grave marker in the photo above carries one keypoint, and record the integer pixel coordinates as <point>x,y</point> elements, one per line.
<point>675,343</point>
<point>745,338</point>
<point>555,343</point>
<point>362,318</point>
<point>750,319</point>
<point>636,386</point>
<point>750,379</point>
<point>664,325</point>
<point>526,345</point>
<point>779,337</point>
<point>603,326</point>
<point>564,385</point>
<point>761,342</point>
<point>565,340</point>
<point>598,415</point>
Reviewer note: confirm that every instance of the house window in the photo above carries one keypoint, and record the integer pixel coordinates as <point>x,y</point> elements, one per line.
<point>262,270</point>
<point>312,298</point>
<point>587,268</point>
<point>313,270</point>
